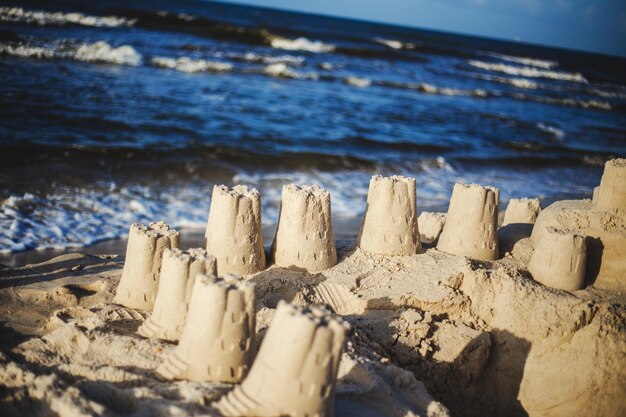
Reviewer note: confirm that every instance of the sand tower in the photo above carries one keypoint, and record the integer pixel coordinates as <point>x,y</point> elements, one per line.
<point>390,223</point>
<point>430,225</point>
<point>559,259</point>
<point>178,273</point>
<point>234,235</point>
<point>304,235</point>
<point>611,193</point>
<point>471,223</point>
<point>140,277</point>
<point>522,210</point>
<point>295,371</point>
<point>217,343</point>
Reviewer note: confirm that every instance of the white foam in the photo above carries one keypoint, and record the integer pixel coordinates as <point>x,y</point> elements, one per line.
<point>268,59</point>
<point>554,131</point>
<point>301,44</point>
<point>529,71</point>
<point>358,82</point>
<point>39,17</point>
<point>390,43</point>
<point>532,62</point>
<point>570,102</point>
<point>445,91</point>
<point>281,69</point>
<point>189,65</point>
<point>89,52</point>
<point>523,83</point>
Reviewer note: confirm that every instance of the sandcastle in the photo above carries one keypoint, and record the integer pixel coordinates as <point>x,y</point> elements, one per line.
<point>602,220</point>
<point>295,371</point>
<point>178,273</point>
<point>304,235</point>
<point>217,343</point>
<point>471,223</point>
<point>611,193</point>
<point>234,234</point>
<point>430,225</point>
<point>140,277</point>
<point>559,259</point>
<point>522,210</point>
<point>390,222</point>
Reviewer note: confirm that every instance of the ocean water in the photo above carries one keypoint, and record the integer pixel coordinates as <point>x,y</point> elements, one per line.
<point>116,112</point>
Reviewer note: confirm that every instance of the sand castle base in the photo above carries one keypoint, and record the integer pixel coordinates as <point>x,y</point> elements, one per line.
<point>606,238</point>
<point>217,343</point>
<point>295,371</point>
<point>140,277</point>
<point>390,222</point>
<point>178,273</point>
<point>522,210</point>
<point>304,235</point>
<point>234,235</point>
<point>559,259</point>
<point>471,223</point>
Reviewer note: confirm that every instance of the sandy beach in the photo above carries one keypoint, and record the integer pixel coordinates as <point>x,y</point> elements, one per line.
<point>432,334</point>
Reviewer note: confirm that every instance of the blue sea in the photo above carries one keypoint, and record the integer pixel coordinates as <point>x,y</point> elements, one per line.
<point>114,112</point>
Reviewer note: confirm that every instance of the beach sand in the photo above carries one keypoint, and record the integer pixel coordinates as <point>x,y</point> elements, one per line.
<point>432,334</point>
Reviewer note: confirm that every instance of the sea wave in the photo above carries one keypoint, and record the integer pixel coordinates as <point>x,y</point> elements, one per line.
<point>554,131</point>
<point>393,44</point>
<point>40,17</point>
<point>270,59</point>
<point>282,70</point>
<point>531,62</point>
<point>427,88</point>
<point>100,51</point>
<point>301,44</point>
<point>189,65</point>
<point>529,71</point>
<point>523,83</point>
<point>569,102</point>
<point>358,81</point>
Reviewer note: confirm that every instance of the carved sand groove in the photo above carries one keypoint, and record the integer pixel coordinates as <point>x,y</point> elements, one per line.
<point>559,259</point>
<point>471,223</point>
<point>234,235</point>
<point>390,222</point>
<point>304,235</point>
<point>522,210</point>
<point>140,277</point>
<point>178,273</point>
<point>611,193</point>
<point>300,356</point>
<point>217,343</point>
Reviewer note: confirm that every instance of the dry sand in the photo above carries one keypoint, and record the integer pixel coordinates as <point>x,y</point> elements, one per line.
<point>433,334</point>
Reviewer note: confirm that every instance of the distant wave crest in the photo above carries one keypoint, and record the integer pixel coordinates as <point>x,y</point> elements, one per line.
<point>89,52</point>
<point>189,65</point>
<point>529,71</point>
<point>301,44</point>
<point>40,17</point>
<point>531,62</point>
<point>282,70</point>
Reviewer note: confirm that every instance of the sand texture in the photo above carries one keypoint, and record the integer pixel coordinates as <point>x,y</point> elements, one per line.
<point>432,334</point>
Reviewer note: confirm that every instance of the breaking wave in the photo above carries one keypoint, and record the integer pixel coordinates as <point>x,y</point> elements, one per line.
<point>555,132</point>
<point>433,89</point>
<point>301,44</point>
<point>40,17</point>
<point>358,82</point>
<point>189,65</point>
<point>531,62</point>
<point>282,70</point>
<point>529,71</point>
<point>100,52</point>
<point>393,44</point>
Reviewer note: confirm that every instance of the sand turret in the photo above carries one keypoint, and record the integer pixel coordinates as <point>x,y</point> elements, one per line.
<point>295,371</point>
<point>559,259</point>
<point>140,277</point>
<point>234,234</point>
<point>178,273</point>
<point>522,210</point>
<point>390,222</point>
<point>217,343</point>
<point>471,223</point>
<point>304,235</point>
<point>611,193</point>
<point>430,225</point>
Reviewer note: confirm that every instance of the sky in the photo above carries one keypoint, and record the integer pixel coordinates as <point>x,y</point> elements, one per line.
<point>589,25</point>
